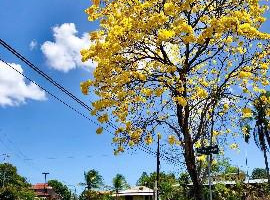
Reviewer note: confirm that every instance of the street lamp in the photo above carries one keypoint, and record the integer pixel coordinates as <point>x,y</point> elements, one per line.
<point>45,177</point>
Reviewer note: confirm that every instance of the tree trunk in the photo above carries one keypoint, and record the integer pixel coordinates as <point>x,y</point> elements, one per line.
<point>192,170</point>
<point>189,154</point>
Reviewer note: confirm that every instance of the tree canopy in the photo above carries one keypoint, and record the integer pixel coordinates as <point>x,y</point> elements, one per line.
<point>259,173</point>
<point>12,185</point>
<point>168,187</point>
<point>93,180</point>
<point>185,69</point>
<point>60,189</point>
<point>119,182</point>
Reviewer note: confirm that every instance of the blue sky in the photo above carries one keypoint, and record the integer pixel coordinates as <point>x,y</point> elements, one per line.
<point>39,133</point>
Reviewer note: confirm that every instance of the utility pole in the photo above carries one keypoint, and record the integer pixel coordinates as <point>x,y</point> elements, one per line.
<point>158,170</point>
<point>209,168</point>
<point>45,177</point>
<point>209,176</point>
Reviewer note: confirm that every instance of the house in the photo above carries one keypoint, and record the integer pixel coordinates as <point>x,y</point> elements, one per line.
<point>44,191</point>
<point>135,193</point>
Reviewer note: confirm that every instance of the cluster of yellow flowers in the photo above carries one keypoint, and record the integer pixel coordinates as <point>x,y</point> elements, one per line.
<point>247,112</point>
<point>151,54</point>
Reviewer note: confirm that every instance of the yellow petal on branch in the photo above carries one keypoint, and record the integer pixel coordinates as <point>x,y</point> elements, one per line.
<point>99,130</point>
<point>246,113</point>
<point>171,139</point>
<point>181,101</point>
<point>201,158</point>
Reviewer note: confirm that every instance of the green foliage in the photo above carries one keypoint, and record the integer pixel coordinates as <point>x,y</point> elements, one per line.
<point>93,179</point>
<point>13,186</point>
<point>143,180</point>
<point>60,189</point>
<point>224,166</point>
<point>93,182</point>
<point>95,195</point>
<point>259,173</point>
<point>168,188</point>
<point>221,192</point>
<point>119,182</point>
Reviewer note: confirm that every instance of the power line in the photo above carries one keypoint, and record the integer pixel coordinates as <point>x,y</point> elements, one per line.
<point>142,148</point>
<point>48,78</point>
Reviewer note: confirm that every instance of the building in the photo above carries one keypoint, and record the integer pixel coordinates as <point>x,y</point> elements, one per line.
<point>135,193</point>
<point>44,191</point>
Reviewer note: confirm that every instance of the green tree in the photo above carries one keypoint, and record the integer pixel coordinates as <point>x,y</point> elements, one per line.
<point>13,186</point>
<point>95,195</point>
<point>93,180</point>
<point>261,133</point>
<point>119,183</point>
<point>60,189</point>
<point>259,173</point>
<point>143,180</point>
<point>167,186</point>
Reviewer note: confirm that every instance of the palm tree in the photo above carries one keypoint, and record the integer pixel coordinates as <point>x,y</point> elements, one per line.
<point>119,183</point>
<point>261,133</point>
<point>93,180</point>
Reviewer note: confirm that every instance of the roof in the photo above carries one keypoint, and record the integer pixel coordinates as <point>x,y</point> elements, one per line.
<point>136,191</point>
<point>40,186</point>
<point>253,181</point>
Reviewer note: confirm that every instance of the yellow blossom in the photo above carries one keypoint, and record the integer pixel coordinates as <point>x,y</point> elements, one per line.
<point>164,34</point>
<point>148,139</point>
<point>234,146</point>
<point>244,74</point>
<point>246,112</point>
<point>181,101</point>
<point>171,139</point>
<point>202,93</point>
<point>264,66</point>
<point>201,158</point>
<point>99,130</point>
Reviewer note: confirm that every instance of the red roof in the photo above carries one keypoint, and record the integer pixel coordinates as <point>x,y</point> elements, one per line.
<point>39,186</point>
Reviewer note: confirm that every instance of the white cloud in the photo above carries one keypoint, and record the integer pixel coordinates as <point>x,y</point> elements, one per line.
<point>14,90</point>
<point>33,45</point>
<point>64,53</point>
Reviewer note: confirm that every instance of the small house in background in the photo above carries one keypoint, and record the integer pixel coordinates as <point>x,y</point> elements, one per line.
<point>135,193</point>
<point>44,191</point>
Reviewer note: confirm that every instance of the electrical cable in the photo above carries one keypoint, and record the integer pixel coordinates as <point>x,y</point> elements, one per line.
<point>67,92</point>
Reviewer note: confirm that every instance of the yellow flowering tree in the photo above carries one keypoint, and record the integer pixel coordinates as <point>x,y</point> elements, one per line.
<point>185,68</point>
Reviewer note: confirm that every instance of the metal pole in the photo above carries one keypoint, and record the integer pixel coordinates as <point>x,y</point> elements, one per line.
<point>158,170</point>
<point>45,177</point>
<point>209,177</point>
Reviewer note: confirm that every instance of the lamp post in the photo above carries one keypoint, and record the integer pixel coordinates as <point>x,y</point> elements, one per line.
<point>45,178</point>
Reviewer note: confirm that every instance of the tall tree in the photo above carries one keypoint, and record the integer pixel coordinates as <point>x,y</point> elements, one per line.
<point>93,180</point>
<point>261,133</point>
<point>259,173</point>
<point>12,185</point>
<point>175,66</point>
<point>143,180</point>
<point>60,189</point>
<point>167,185</point>
<point>262,127</point>
<point>119,183</point>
